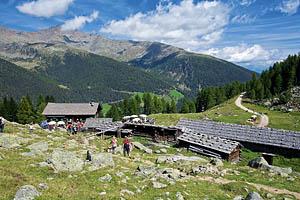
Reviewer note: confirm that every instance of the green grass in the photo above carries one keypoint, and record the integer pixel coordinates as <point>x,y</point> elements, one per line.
<point>176,94</point>
<point>105,108</point>
<point>278,119</point>
<point>226,112</point>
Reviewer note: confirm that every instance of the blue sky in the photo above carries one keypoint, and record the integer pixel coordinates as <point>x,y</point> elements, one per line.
<point>250,33</point>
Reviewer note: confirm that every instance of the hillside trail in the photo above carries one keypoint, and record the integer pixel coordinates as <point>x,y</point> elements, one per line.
<point>258,186</point>
<point>264,119</point>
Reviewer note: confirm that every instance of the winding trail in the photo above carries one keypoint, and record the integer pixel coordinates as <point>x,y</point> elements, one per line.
<point>264,119</point>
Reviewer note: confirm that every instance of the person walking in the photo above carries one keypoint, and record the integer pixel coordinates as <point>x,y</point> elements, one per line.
<point>31,127</point>
<point>126,147</point>
<point>2,124</point>
<point>114,144</point>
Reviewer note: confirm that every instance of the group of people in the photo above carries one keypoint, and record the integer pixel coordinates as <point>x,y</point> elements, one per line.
<point>2,124</point>
<point>74,126</point>
<point>126,146</point>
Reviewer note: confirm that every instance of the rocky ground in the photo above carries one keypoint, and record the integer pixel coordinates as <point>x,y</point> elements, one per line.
<point>52,165</point>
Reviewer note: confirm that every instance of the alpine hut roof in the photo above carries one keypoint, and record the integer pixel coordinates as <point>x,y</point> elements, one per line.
<point>71,109</point>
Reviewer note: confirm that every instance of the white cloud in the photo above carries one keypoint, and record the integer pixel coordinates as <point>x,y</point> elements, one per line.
<point>289,6</point>
<point>243,19</point>
<point>247,2</point>
<point>45,8</point>
<point>252,56</point>
<point>78,22</point>
<point>186,25</point>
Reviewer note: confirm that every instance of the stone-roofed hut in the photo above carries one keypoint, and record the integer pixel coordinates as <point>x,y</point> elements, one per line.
<point>71,110</point>
<point>259,139</point>
<point>211,146</point>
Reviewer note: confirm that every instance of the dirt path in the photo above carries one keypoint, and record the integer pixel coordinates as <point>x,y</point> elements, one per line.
<point>264,119</point>
<point>258,186</point>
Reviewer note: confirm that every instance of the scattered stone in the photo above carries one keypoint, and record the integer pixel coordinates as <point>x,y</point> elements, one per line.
<point>157,151</point>
<point>158,185</point>
<point>32,165</point>
<point>71,144</point>
<point>43,186</point>
<point>290,179</point>
<point>141,147</point>
<point>258,163</point>
<point>172,159</point>
<point>44,164</point>
<point>163,150</point>
<point>204,169</point>
<point>253,196</point>
<point>106,178</point>
<point>238,197</point>
<point>50,179</point>
<point>167,193</point>
<point>269,195</point>
<point>262,163</point>
<point>102,193</point>
<point>282,174</point>
<point>27,192</point>
<point>61,160</point>
<point>127,191</point>
<point>217,162</point>
<point>179,196</point>
<point>119,174</point>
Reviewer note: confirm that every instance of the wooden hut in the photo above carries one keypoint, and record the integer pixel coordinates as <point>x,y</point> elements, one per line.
<point>71,110</point>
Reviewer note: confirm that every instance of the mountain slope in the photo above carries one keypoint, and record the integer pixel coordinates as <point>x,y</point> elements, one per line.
<point>186,71</point>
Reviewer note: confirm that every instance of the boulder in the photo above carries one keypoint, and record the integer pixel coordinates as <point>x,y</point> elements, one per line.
<point>102,160</point>
<point>148,171</point>
<point>204,169</point>
<point>253,196</point>
<point>10,141</point>
<point>163,150</point>
<point>262,163</point>
<point>217,162</point>
<point>141,147</point>
<point>258,163</point>
<point>61,160</point>
<point>26,192</point>
<point>41,146</point>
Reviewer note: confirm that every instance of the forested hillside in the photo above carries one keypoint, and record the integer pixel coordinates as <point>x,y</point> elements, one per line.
<point>274,82</point>
<point>194,71</point>
<point>17,82</point>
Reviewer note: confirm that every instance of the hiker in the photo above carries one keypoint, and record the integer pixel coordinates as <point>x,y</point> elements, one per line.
<point>126,147</point>
<point>114,144</point>
<point>2,123</point>
<point>31,127</point>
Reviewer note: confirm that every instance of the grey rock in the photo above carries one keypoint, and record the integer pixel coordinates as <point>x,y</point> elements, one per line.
<point>253,196</point>
<point>217,162</point>
<point>158,185</point>
<point>290,179</point>
<point>106,178</point>
<point>204,169</point>
<point>269,195</point>
<point>238,198</point>
<point>10,141</point>
<point>41,146</point>
<point>258,163</point>
<point>141,147</point>
<point>172,159</point>
<point>28,154</point>
<point>119,174</point>
<point>43,186</point>
<point>44,164</point>
<point>61,160</point>
<point>163,150</point>
<point>102,160</point>
<point>179,196</point>
<point>27,192</point>
<point>127,191</point>
<point>157,151</point>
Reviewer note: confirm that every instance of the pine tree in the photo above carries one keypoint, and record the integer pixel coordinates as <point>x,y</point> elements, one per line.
<point>157,105</point>
<point>185,106</point>
<point>259,91</point>
<point>192,107</point>
<point>173,108</point>
<point>277,84</point>
<point>25,113</point>
<point>113,113</point>
<point>12,110</point>
<point>148,103</point>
